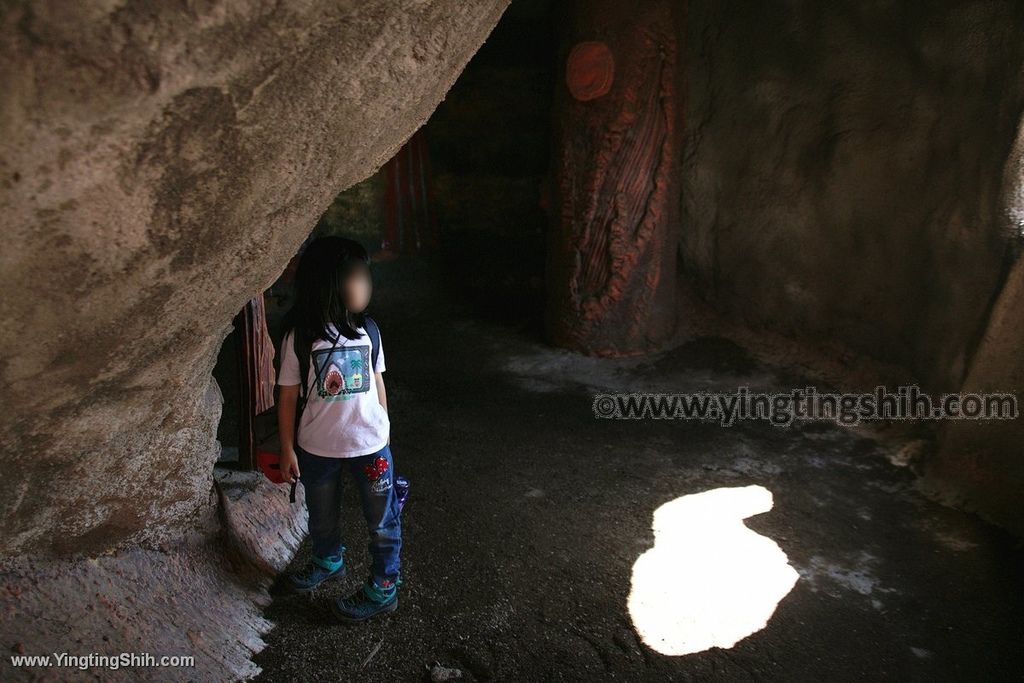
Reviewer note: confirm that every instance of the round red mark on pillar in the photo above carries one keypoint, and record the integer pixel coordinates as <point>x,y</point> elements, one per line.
<point>589,70</point>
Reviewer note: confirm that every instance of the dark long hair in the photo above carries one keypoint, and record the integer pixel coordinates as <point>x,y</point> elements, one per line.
<point>324,266</point>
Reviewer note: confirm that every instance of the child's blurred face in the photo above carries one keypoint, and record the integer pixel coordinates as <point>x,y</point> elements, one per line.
<point>358,287</point>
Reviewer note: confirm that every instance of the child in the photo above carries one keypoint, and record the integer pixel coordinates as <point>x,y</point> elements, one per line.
<point>344,425</point>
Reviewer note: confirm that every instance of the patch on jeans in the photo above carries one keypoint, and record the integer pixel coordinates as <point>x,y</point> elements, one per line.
<point>376,468</point>
<point>381,485</point>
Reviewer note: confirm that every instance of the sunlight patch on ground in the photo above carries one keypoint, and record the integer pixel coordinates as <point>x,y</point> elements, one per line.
<point>709,581</point>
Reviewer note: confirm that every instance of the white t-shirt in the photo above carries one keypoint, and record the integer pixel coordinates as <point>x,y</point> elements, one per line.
<point>343,417</point>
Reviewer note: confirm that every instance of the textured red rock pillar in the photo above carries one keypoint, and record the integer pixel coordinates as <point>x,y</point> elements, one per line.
<point>615,196</point>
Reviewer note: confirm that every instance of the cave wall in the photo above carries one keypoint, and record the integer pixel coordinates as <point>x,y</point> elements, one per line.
<point>159,165</point>
<point>979,464</point>
<point>842,171</point>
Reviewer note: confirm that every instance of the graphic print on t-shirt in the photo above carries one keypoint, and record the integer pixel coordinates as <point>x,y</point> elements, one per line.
<point>347,372</point>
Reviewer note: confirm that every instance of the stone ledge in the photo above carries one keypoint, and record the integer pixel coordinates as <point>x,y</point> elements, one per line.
<point>202,596</point>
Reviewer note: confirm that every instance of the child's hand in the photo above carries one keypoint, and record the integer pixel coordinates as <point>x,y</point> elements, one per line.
<point>289,466</point>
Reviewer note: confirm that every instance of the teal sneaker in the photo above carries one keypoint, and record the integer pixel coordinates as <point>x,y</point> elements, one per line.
<point>316,572</point>
<point>368,601</point>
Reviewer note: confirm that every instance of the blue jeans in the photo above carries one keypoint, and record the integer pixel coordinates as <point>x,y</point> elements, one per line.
<point>374,475</point>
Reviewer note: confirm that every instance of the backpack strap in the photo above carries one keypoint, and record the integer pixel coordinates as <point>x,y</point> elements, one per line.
<point>374,333</point>
<point>302,350</point>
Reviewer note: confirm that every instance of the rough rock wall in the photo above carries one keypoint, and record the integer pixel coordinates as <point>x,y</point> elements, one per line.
<point>980,464</point>
<point>199,596</point>
<point>843,168</point>
<point>159,164</point>
<point>611,249</point>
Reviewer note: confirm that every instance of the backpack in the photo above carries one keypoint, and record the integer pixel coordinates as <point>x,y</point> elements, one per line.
<point>303,350</point>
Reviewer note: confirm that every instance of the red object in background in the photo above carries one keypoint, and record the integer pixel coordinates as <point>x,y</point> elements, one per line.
<point>270,464</point>
<point>409,224</point>
<point>256,374</point>
<point>589,70</point>
<point>614,194</point>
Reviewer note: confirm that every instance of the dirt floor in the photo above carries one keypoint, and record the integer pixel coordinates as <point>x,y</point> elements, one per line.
<point>526,515</point>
